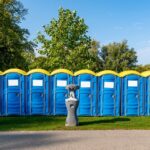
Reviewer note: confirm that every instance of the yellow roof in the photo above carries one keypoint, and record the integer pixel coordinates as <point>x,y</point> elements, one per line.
<point>38,71</point>
<point>145,73</point>
<point>107,72</point>
<point>84,71</point>
<point>62,71</point>
<point>129,72</point>
<point>1,72</point>
<point>14,70</point>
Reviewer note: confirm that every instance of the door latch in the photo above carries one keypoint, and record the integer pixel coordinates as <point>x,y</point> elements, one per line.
<point>90,96</point>
<point>137,96</point>
<point>17,94</point>
<point>113,96</point>
<point>66,95</point>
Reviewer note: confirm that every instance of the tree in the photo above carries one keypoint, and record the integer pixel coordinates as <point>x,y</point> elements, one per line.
<point>39,62</point>
<point>13,38</point>
<point>141,68</point>
<point>95,56</point>
<point>95,46</point>
<point>67,45</point>
<point>27,60</point>
<point>118,57</point>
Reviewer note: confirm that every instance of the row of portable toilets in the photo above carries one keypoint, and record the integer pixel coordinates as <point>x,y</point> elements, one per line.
<point>106,93</point>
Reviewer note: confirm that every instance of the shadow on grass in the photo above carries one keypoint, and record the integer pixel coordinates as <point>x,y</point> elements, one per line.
<point>112,120</point>
<point>19,120</point>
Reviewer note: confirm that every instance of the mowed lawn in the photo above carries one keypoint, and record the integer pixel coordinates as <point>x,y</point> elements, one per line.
<point>85,123</point>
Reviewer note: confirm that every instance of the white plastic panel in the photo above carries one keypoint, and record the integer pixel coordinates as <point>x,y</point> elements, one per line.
<point>85,84</point>
<point>37,82</point>
<point>13,82</point>
<point>62,83</point>
<point>108,84</point>
<point>132,83</point>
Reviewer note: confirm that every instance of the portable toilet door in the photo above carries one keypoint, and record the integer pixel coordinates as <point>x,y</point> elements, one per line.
<point>86,94</point>
<point>13,98</point>
<point>146,92</point>
<point>37,92</point>
<point>1,92</point>
<point>108,91</point>
<point>60,78</point>
<point>132,102</point>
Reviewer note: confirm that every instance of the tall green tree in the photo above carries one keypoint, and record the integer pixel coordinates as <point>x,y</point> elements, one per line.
<point>28,58</point>
<point>118,57</point>
<point>65,42</point>
<point>95,56</point>
<point>13,38</point>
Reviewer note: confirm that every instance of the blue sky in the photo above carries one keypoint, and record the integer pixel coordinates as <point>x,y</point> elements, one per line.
<point>108,20</point>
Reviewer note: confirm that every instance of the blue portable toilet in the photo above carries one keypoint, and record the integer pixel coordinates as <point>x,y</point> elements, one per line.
<point>13,92</point>
<point>60,78</point>
<point>37,93</point>
<point>132,103</point>
<point>146,92</point>
<point>1,92</point>
<point>86,94</point>
<point>108,92</point>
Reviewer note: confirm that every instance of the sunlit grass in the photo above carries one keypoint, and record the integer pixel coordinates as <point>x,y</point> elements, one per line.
<point>85,123</point>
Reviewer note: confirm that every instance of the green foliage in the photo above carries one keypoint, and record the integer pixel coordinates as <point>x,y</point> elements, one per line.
<point>13,38</point>
<point>141,68</point>
<point>39,62</point>
<point>28,59</point>
<point>95,46</point>
<point>95,56</point>
<point>118,57</point>
<point>66,44</point>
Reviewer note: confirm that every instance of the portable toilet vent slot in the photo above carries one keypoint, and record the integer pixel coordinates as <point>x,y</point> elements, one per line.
<point>37,83</point>
<point>62,83</point>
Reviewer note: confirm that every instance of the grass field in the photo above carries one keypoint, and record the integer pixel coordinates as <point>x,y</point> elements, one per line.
<point>85,123</point>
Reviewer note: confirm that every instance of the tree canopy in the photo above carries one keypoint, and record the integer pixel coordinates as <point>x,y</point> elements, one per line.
<point>66,43</point>
<point>141,68</point>
<point>13,38</point>
<point>118,57</point>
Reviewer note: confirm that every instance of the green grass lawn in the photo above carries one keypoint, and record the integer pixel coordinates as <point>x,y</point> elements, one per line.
<point>85,123</point>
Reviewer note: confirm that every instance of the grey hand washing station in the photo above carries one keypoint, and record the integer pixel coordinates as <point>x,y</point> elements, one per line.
<point>72,105</point>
